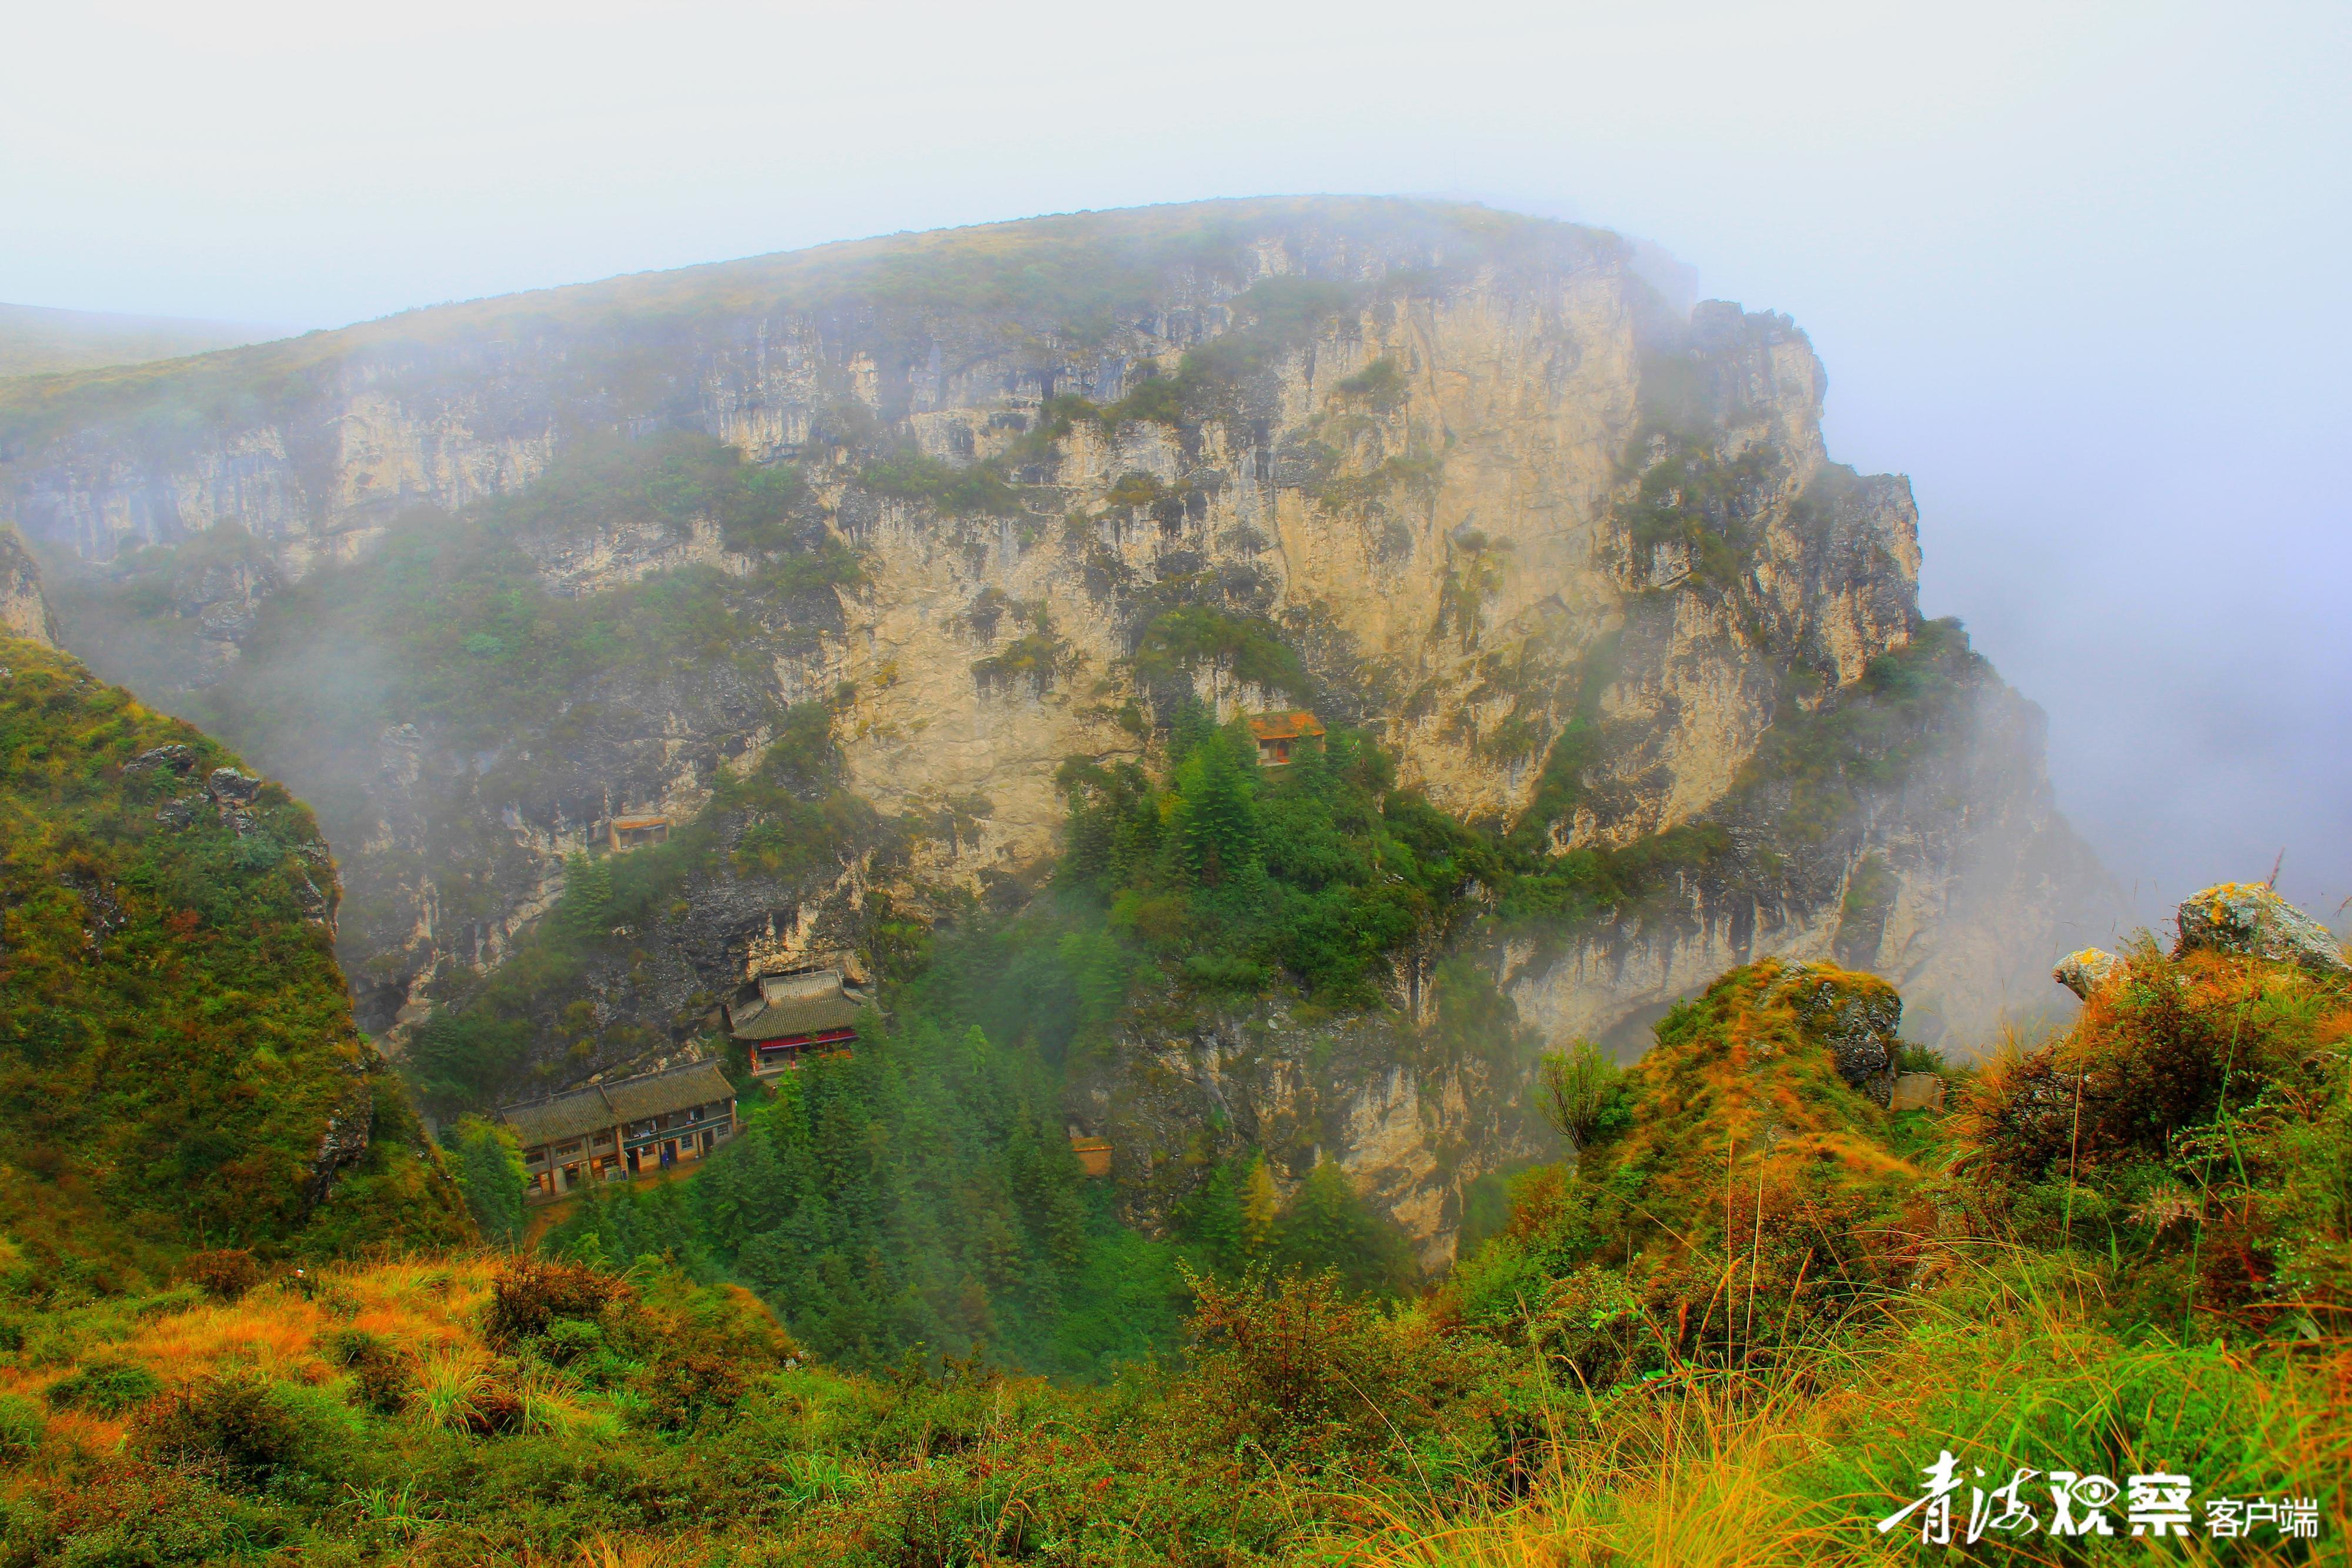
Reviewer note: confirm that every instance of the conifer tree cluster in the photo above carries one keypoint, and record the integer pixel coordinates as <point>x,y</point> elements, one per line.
<point>920,1194</point>
<point>1238,1222</point>
<point>1232,877</point>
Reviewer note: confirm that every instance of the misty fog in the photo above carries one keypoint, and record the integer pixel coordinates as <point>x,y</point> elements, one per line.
<point>2074,273</point>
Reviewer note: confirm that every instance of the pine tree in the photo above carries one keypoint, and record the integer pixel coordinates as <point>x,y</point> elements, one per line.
<point>489,1169</point>
<point>1329,1226</point>
<point>1212,1217</point>
<point>1259,1202</point>
<point>1214,823</point>
<point>583,914</point>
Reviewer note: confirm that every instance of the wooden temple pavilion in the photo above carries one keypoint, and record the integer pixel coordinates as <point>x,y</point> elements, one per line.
<point>610,1131</point>
<point>781,1017</point>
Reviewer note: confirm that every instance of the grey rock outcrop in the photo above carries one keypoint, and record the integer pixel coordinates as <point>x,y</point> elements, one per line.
<point>2250,919</point>
<point>1863,1024</point>
<point>174,758</point>
<point>2086,969</point>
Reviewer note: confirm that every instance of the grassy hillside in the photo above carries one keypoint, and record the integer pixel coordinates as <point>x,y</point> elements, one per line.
<point>1605,1383</point>
<point>34,341</point>
<point>178,1067</point>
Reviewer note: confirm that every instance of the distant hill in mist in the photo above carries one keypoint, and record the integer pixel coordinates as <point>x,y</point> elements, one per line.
<point>35,339</point>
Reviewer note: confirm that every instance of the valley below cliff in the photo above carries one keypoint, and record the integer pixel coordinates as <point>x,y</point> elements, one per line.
<point>840,563</point>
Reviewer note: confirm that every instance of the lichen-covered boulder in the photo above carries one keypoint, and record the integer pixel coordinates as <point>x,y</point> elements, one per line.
<point>2085,971</point>
<point>1859,1015</point>
<point>2250,919</point>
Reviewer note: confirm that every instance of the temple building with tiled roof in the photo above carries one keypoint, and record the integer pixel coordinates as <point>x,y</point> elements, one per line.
<point>610,1131</point>
<point>781,1017</point>
<point>1277,734</point>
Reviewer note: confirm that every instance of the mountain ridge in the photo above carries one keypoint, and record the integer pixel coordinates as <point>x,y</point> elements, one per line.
<point>994,498</point>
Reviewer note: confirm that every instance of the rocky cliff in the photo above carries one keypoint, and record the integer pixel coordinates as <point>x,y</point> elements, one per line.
<point>24,610</point>
<point>1013,495</point>
<point>177,1061</point>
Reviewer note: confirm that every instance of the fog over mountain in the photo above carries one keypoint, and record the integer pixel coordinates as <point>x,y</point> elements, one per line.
<point>1264,784</point>
<point>2072,274</point>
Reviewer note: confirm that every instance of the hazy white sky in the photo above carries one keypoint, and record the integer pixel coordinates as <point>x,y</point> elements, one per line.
<point>2077,269</point>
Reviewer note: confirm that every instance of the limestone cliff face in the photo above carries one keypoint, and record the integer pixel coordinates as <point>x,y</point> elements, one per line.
<point>1946,881</point>
<point>24,611</point>
<point>1508,507</point>
<point>1414,1114</point>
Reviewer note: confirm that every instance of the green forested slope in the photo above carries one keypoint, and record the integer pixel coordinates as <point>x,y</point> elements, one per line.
<point>178,1066</point>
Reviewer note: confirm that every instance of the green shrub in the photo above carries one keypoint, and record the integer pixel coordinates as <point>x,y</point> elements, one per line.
<point>23,1428</point>
<point>1380,383</point>
<point>226,1274</point>
<point>527,1295</point>
<point>105,1388</point>
<point>381,1377</point>
<point>910,476</point>
<point>1176,642</point>
<point>245,1425</point>
<point>489,1166</point>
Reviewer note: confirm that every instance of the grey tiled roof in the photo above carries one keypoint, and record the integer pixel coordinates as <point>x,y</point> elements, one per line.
<point>634,1099</point>
<point>797,1015</point>
<point>602,1105</point>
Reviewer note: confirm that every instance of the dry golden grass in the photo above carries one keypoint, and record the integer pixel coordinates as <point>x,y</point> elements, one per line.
<point>421,1309</point>
<point>1710,1469</point>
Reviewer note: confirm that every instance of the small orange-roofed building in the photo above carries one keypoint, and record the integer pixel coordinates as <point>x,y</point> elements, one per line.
<point>1277,733</point>
<point>629,832</point>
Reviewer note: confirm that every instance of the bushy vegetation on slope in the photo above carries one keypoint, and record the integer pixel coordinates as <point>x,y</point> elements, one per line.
<point>178,1067</point>
<point>1232,877</point>
<point>1734,1154</point>
<point>2196,1121</point>
<point>918,1198</point>
<point>498,1035</point>
<point>447,645</point>
<point>1736,1331</point>
<point>1324,874</point>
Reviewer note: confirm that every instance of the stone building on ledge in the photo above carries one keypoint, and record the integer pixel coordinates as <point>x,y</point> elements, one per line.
<point>636,830</point>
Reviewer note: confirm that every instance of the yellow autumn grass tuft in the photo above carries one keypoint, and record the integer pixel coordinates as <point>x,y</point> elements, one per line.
<point>273,1330</point>
<point>1699,1477</point>
<point>615,1552</point>
<point>450,1389</point>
